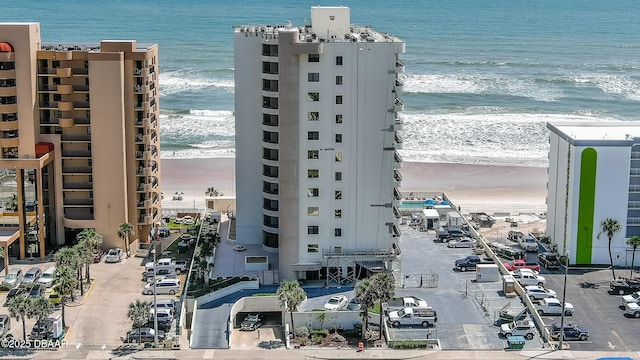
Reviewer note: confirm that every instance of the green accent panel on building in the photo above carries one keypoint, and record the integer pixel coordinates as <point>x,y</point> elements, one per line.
<point>586,205</point>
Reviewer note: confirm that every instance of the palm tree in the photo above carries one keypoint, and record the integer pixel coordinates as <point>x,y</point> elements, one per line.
<point>322,318</point>
<point>19,308</point>
<point>40,309</point>
<point>384,286</point>
<point>634,242</point>
<point>139,313</point>
<point>69,256</point>
<point>211,192</point>
<point>64,281</point>
<point>610,226</point>
<point>125,230</point>
<point>366,296</point>
<point>92,241</point>
<point>85,257</point>
<point>291,295</point>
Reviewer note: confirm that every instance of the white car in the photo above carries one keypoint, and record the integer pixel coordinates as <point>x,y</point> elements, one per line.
<point>164,286</point>
<point>518,273</point>
<point>337,302</point>
<point>631,298</point>
<point>465,242</point>
<point>633,309</point>
<point>188,220</point>
<point>538,292</point>
<point>524,328</point>
<point>114,255</point>
<point>553,306</point>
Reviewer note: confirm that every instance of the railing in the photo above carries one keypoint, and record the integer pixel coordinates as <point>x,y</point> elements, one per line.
<point>396,175</point>
<point>634,172</point>
<point>75,137</point>
<point>86,186</point>
<point>633,221</point>
<point>76,169</point>
<point>634,188</point>
<point>76,153</point>
<point>634,204</point>
<point>358,252</point>
<point>78,201</point>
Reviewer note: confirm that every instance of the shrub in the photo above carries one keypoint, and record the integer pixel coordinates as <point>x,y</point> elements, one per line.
<point>264,294</point>
<point>317,339</point>
<point>408,344</point>
<point>321,332</point>
<point>302,332</point>
<point>5,287</point>
<point>302,341</point>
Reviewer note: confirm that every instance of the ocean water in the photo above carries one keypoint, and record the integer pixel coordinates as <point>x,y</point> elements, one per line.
<point>482,77</point>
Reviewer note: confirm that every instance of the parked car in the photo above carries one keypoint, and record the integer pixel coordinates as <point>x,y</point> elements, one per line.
<point>31,276</point>
<point>142,335</point>
<point>536,293</point>
<point>622,286</point>
<point>163,326</point>
<point>634,297</point>
<point>47,277</point>
<point>114,255</point>
<point>188,220</point>
<point>464,242</point>
<point>528,243</point>
<point>164,286</point>
<point>530,278</point>
<point>37,291</point>
<point>164,273</point>
<point>163,315</point>
<point>15,292</point>
<point>633,309</point>
<point>354,304</point>
<point>55,298</point>
<point>549,260</point>
<point>521,264</point>
<point>97,256</point>
<point>337,302</point>
<point>470,262</point>
<point>524,328</point>
<point>13,278</point>
<point>571,332</point>
<point>517,274</point>
<point>553,306</point>
<point>251,322</point>
<point>42,329</point>
<point>5,325</point>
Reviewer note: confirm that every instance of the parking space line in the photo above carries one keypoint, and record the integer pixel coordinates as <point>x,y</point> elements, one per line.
<point>626,348</point>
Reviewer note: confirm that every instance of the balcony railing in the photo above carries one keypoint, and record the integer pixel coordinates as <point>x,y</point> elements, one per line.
<point>357,252</point>
<point>76,169</point>
<point>81,202</point>
<point>79,186</point>
<point>634,188</point>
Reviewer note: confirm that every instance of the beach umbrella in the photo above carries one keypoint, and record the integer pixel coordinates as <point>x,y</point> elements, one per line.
<point>430,202</point>
<point>445,203</point>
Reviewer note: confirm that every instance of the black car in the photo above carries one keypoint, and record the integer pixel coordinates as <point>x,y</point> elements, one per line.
<point>42,329</point>
<point>162,325</point>
<point>623,286</point>
<point>571,332</point>
<point>251,322</point>
<point>36,291</point>
<point>549,260</point>
<point>15,292</point>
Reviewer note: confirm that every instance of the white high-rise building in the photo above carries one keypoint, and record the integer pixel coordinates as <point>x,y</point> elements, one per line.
<point>316,145</point>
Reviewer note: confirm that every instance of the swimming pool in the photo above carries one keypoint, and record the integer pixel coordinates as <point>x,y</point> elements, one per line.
<point>409,204</point>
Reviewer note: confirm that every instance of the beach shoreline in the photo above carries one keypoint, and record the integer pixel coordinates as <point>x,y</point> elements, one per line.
<point>475,188</point>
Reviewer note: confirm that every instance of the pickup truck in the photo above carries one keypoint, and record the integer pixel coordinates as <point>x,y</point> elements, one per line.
<point>413,316</point>
<point>521,264</point>
<point>549,260</point>
<point>622,286</point>
<point>526,278</point>
<point>167,263</point>
<point>553,306</point>
<point>528,243</point>
<point>470,262</point>
<point>407,302</point>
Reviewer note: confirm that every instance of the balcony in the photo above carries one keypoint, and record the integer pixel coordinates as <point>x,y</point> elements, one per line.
<point>396,213</point>
<point>397,178</point>
<point>77,186</point>
<point>634,188</point>
<point>399,66</point>
<point>141,72</point>
<point>8,74</point>
<point>145,220</point>
<point>398,105</point>
<point>399,85</point>
<point>67,123</point>
<point>633,221</point>
<point>64,89</point>
<point>9,142</point>
<point>8,108</point>
<point>78,202</point>
<point>76,169</point>
<point>397,160</point>
<point>398,123</point>
<point>65,105</point>
<point>398,140</point>
<point>63,72</point>
<point>634,205</point>
<point>81,88</point>
<point>80,72</point>
<point>140,89</point>
<point>8,125</point>
<point>634,172</point>
<point>76,137</point>
<point>397,195</point>
<point>142,106</point>
<point>82,105</point>
<point>395,231</point>
<point>76,154</point>
<point>8,91</point>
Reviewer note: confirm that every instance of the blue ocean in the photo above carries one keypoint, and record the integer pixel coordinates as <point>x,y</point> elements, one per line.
<point>482,77</point>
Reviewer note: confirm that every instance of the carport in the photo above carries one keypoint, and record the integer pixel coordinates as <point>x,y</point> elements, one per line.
<point>267,306</point>
<point>269,318</point>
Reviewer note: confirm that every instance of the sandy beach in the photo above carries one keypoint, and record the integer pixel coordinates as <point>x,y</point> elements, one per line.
<point>491,189</point>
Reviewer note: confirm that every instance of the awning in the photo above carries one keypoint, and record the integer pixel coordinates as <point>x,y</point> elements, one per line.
<point>373,265</point>
<point>306,267</point>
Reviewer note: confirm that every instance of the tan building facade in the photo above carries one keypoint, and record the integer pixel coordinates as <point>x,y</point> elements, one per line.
<point>79,139</point>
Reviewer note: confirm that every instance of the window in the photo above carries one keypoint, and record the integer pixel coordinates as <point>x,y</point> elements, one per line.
<point>337,232</point>
<point>338,195</point>
<point>313,135</point>
<point>338,99</point>
<point>312,248</point>
<point>331,17</point>
<point>313,192</point>
<point>338,138</point>
<point>313,116</point>
<point>313,77</point>
<point>312,230</point>
<point>313,154</point>
<point>313,173</point>
<point>314,96</point>
<point>338,60</point>
<point>313,58</point>
<point>337,213</point>
<point>339,119</point>
<point>313,211</point>
<point>338,157</point>
<point>339,80</point>
<point>338,176</point>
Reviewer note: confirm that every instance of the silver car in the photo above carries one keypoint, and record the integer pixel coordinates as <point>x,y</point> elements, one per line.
<point>31,276</point>
<point>13,278</point>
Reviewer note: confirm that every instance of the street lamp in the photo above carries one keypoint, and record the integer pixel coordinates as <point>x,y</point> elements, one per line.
<point>564,294</point>
<point>155,302</point>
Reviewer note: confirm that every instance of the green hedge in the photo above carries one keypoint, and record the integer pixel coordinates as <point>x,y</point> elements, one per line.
<point>321,332</point>
<point>408,344</point>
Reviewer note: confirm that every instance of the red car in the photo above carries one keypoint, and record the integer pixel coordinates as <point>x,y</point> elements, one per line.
<point>97,256</point>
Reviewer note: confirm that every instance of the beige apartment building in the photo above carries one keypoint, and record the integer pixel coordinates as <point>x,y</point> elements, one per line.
<point>79,139</point>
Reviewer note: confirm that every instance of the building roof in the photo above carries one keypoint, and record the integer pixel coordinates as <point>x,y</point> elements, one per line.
<point>610,133</point>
